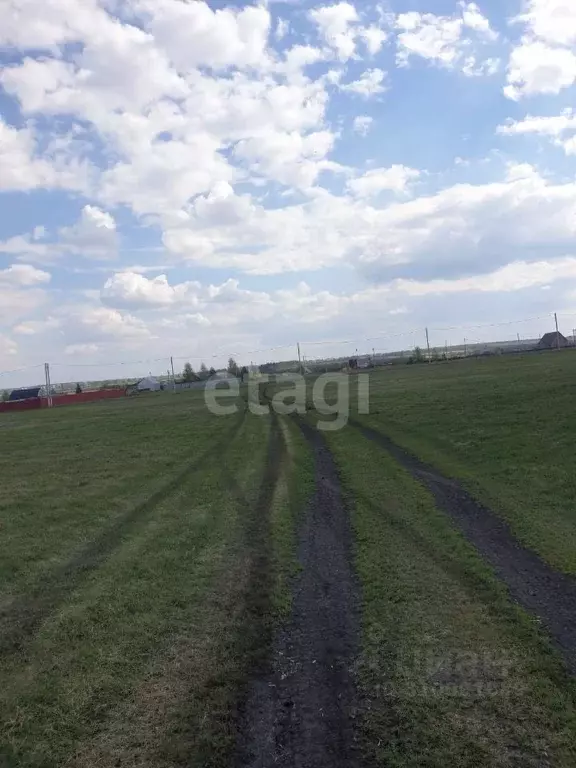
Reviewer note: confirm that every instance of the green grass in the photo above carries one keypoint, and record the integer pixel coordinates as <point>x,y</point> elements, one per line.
<point>295,486</point>
<point>137,580</point>
<point>505,426</point>
<point>148,550</point>
<point>451,672</point>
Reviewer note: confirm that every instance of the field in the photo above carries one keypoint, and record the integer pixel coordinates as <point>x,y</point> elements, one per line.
<point>179,588</point>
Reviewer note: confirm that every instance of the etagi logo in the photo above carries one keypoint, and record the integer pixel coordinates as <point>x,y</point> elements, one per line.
<point>331,396</point>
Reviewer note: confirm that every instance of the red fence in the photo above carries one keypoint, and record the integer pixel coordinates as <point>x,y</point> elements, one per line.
<point>22,405</point>
<point>42,402</point>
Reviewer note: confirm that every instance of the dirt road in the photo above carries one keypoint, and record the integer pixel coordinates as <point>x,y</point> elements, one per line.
<point>301,713</point>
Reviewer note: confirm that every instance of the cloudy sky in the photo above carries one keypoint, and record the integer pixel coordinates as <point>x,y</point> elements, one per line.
<point>201,179</point>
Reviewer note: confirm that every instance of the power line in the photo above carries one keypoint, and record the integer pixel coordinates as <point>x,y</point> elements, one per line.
<point>19,370</point>
<point>221,352</point>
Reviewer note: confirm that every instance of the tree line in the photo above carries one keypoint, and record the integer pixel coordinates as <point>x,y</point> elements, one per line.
<point>233,369</point>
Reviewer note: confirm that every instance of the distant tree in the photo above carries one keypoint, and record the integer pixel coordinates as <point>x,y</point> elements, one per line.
<point>418,356</point>
<point>5,396</point>
<point>204,371</point>
<point>78,389</point>
<point>244,373</point>
<point>233,369</point>
<point>212,371</point>
<point>188,373</point>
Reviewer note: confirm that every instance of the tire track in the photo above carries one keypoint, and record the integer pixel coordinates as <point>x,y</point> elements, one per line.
<point>301,713</point>
<point>21,618</point>
<point>532,583</point>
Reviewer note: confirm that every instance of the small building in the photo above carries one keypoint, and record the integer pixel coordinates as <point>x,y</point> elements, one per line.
<point>148,384</point>
<point>554,340</point>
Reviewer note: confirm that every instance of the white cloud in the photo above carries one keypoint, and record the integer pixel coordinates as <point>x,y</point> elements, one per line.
<point>35,327</point>
<point>282,29</point>
<point>551,20</point>
<point>544,61</point>
<point>396,179</point>
<point>553,125</point>
<point>93,236</point>
<point>23,275</point>
<point>192,34</point>
<point>448,41</point>
<point>81,349</point>
<point>19,294</point>
<point>335,26</point>
<point>340,30</point>
<point>536,67</point>
<point>21,169</point>
<point>362,124</point>
<point>374,38</point>
<point>516,276</point>
<point>561,129</point>
<point>452,231</point>
<point>371,81</point>
<point>129,290</point>
<point>289,158</point>
<point>104,322</point>
<point>8,349</point>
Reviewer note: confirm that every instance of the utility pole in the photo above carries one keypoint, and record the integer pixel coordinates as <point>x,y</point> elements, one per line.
<point>574,336</point>
<point>428,345</point>
<point>173,377</point>
<point>300,360</point>
<point>465,348</point>
<point>48,385</point>
<point>557,334</point>
<point>518,337</point>
<point>446,348</point>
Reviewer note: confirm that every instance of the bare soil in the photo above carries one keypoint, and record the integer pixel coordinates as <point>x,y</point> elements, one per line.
<point>532,583</point>
<point>300,712</point>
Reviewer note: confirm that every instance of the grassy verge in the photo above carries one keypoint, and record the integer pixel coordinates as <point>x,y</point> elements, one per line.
<point>505,427</point>
<point>293,491</point>
<point>452,672</point>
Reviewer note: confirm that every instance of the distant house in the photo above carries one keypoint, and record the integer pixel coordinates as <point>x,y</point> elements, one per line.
<point>553,340</point>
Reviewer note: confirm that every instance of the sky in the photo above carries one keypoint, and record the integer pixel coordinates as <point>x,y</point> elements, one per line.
<point>204,179</point>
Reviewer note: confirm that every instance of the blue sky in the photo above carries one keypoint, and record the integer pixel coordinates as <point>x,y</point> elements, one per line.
<point>203,179</point>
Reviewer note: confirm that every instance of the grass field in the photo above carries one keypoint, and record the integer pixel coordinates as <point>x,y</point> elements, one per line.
<point>505,426</point>
<point>149,553</point>
<point>137,580</point>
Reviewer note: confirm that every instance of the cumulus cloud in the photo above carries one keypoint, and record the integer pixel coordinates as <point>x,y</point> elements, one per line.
<point>23,275</point>
<point>394,179</point>
<point>560,129</point>
<point>131,290</point>
<point>369,83</point>
<point>233,151</point>
<point>544,60</point>
<point>20,291</point>
<point>447,41</point>
<point>92,236</point>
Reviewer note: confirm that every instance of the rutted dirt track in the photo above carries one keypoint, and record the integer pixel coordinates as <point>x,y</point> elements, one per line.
<point>532,583</point>
<point>301,712</point>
